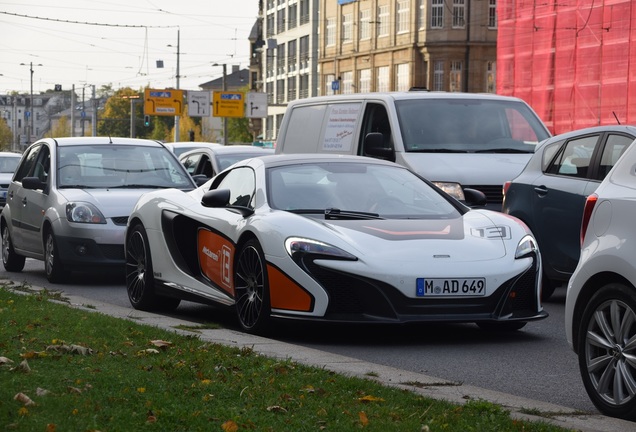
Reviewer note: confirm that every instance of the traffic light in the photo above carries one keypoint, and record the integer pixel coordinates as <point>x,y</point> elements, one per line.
<point>146,120</point>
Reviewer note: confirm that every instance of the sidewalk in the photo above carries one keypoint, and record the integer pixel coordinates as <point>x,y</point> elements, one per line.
<point>423,384</point>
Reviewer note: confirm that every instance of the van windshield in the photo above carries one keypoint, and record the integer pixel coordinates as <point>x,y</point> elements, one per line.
<point>469,126</point>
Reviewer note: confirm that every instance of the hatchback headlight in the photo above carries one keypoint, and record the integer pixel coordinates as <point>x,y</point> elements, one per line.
<point>298,247</point>
<point>453,189</point>
<point>526,247</point>
<point>82,212</point>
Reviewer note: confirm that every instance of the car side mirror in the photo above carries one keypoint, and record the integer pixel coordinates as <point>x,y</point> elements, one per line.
<point>216,198</point>
<point>200,179</point>
<point>33,183</point>
<point>474,198</point>
<point>374,146</point>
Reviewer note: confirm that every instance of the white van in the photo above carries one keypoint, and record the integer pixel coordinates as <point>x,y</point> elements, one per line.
<point>456,140</point>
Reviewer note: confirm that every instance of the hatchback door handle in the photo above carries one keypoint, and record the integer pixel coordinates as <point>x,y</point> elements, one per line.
<point>541,190</point>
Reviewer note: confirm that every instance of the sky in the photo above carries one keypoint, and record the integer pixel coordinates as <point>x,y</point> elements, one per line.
<point>118,43</point>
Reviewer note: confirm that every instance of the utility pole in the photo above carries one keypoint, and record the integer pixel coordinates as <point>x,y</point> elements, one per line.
<point>31,113</point>
<point>224,118</point>
<point>176,118</point>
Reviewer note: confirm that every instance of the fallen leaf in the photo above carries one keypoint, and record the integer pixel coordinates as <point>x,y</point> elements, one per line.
<point>50,428</point>
<point>74,390</point>
<point>150,417</point>
<point>41,392</point>
<point>364,420</point>
<point>369,398</point>
<point>160,343</point>
<point>5,360</point>
<point>229,426</point>
<point>24,399</point>
<point>22,367</point>
<point>276,408</point>
<point>148,351</point>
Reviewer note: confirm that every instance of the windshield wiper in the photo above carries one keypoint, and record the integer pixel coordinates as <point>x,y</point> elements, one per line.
<point>137,186</point>
<point>503,150</point>
<point>334,213</point>
<point>76,186</point>
<point>436,150</point>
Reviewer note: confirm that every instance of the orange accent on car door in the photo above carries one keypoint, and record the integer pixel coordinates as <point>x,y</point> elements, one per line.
<point>284,293</point>
<point>215,259</point>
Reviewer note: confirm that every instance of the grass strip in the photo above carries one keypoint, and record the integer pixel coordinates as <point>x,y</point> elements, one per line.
<point>69,369</point>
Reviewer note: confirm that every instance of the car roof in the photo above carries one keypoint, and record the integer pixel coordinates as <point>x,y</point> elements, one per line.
<point>232,149</point>
<point>76,141</point>
<point>584,131</point>
<point>10,154</point>
<point>297,158</point>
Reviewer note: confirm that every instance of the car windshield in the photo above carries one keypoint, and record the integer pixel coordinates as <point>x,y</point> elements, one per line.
<point>8,164</point>
<point>119,166</point>
<point>332,188</point>
<point>469,126</point>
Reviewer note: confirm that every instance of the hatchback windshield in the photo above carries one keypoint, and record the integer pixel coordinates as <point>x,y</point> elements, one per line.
<point>119,166</point>
<point>381,190</point>
<point>468,126</point>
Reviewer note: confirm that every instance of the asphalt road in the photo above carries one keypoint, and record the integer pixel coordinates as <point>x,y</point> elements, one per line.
<point>535,362</point>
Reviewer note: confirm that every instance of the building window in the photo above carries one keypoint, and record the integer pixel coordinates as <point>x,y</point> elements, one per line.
<point>364,82</point>
<point>455,76</point>
<point>330,32</point>
<point>492,14</point>
<point>270,4</point>
<point>269,128</point>
<point>421,17</point>
<point>291,56</point>
<point>347,82</point>
<point>491,77</point>
<point>280,91</point>
<point>438,75</point>
<point>270,92</point>
<point>329,79</point>
<point>383,20</point>
<point>269,62</point>
<point>292,16</point>
<point>459,11</point>
<point>280,20</point>
<point>365,24</point>
<point>402,77</point>
<point>304,86</point>
<point>347,28</point>
<point>437,13</point>
<point>383,79</point>
<point>304,12</point>
<point>280,59</point>
<point>291,89</point>
<point>270,25</point>
<point>403,16</point>
<point>304,52</point>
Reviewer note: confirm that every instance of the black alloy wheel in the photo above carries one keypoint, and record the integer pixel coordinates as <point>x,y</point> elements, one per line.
<point>251,289</point>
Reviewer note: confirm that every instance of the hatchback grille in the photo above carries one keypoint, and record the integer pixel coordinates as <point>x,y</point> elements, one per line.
<point>494,194</point>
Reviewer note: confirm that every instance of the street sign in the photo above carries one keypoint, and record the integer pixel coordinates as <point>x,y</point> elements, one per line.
<point>163,102</point>
<point>199,103</point>
<point>228,104</point>
<point>256,105</point>
<point>335,85</point>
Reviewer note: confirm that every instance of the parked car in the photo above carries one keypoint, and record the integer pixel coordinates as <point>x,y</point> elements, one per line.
<point>549,194</point>
<point>331,238</point>
<point>8,163</point>
<point>70,199</point>
<point>205,163</point>
<point>183,146</point>
<point>600,305</point>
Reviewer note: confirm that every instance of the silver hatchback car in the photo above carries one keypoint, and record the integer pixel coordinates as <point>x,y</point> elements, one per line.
<point>70,199</point>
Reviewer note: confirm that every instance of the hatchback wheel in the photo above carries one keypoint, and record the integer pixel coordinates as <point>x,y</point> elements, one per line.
<point>12,261</point>
<point>140,279</point>
<point>55,272</point>
<point>607,349</point>
<point>251,289</point>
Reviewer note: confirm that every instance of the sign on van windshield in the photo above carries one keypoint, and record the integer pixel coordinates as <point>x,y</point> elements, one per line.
<point>341,125</point>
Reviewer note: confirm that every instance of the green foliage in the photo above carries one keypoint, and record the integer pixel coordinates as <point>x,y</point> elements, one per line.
<point>61,128</point>
<point>238,130</point>
<point>115,120</point>
<point>6,136</point>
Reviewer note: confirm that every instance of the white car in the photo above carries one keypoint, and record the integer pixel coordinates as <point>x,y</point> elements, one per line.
<point>335,238</point>
<point>206,162</point>
<point>70,199</point>
<point>600,306</point>
<point>8,163</point>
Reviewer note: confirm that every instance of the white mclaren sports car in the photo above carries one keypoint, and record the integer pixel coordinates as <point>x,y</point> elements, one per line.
<point>331,238</point>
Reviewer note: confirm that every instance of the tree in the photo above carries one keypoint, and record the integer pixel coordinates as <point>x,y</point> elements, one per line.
<point>61,128</point>
<point>238,130</point>
<point>186,124</point>
<point>115,120</point>
<point>6,136</point>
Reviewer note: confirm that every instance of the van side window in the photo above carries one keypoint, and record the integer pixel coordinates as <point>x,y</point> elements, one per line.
<point>376,119</point>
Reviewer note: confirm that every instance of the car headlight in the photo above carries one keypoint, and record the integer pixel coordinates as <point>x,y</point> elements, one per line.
<point>453,189</point>
<point>298,247</point>
<point>526,247</point>
<point>82,212</point>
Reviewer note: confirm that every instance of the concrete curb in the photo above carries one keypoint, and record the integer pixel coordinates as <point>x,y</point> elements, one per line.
<point>520,408</point>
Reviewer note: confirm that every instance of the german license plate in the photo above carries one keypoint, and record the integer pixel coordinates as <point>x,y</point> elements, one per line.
<point>450,287</point>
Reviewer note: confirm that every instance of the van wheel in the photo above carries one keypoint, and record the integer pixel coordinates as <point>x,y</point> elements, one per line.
<point>10,259</point>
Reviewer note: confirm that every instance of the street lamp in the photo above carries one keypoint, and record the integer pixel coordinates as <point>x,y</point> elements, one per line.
<point>176,117</point>
<point>224,89</point>
<point>30,128</point>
